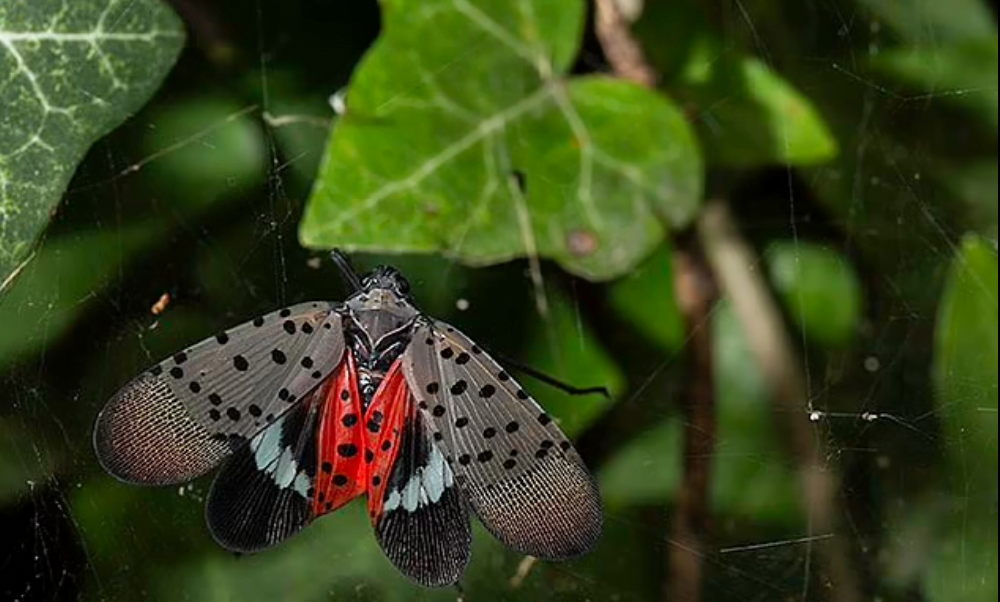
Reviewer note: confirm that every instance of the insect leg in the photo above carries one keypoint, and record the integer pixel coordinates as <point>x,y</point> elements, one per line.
<point>553,381</point>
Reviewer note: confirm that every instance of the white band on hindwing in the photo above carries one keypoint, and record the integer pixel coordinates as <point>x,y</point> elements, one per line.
<point>278,460</point>
<point>425,486</point>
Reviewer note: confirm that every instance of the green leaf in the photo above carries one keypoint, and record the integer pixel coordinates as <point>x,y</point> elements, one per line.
<point>819,289</point>
<point>964,564</point>
<point>753,476</point>
<point>945,545</point>
<point>62,282</point>
<point>70,72</point>
<point>932,22</point>
<point>965,559</point>
<point>647,470</point>
<point>964,75</point>
<point>645,299</point>
<point>750,116</point>
<point>563,345</point>
<point>476,144</point>
<point>966,363</point>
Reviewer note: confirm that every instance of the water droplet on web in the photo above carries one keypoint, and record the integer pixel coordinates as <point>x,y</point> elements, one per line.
<point>872,364</point>
<point>462,305</point>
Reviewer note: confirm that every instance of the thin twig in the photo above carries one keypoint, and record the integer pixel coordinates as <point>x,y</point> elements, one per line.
<point>277,121</point>
<point>9,280</point>
<point>732,261</point>
<point>696,296</point>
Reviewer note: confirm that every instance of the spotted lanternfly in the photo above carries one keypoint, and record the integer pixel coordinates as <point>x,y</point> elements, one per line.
<point>314,405</point>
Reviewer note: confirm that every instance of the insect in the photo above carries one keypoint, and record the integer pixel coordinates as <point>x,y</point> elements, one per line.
<point>314,405</point>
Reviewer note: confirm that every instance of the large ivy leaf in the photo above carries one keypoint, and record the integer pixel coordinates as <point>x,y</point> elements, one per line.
<point>70,72</point>
<point>476,144</point>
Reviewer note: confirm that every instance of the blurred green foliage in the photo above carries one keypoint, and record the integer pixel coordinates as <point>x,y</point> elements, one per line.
<point>820,290</point>
<point>856,141</point>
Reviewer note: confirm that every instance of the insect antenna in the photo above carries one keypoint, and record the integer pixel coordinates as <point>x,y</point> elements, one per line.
<point>346,269</point>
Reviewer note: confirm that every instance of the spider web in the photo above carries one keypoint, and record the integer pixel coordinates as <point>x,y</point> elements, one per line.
<point>249,261</point>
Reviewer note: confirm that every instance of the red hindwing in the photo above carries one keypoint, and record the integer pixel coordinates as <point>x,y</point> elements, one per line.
<point>340,470</point>
<point>383,428</point>
<point>356,450</point>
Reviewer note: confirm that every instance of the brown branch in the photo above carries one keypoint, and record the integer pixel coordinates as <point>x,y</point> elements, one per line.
<point>621,49</point>
<point>733,262</point>
<point>696,296</point>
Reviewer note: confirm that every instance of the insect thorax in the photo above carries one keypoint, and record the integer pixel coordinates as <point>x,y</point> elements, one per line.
<point>378,327</point>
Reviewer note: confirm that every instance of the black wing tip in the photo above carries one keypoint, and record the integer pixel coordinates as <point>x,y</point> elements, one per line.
<point>229,530</point>
<point>431,546</point>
